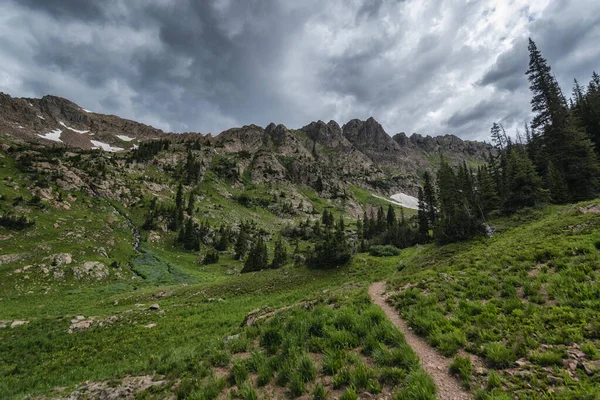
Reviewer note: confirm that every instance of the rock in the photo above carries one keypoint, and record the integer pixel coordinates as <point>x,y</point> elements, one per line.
<point>56,225</point>
<point>591,367</point>
<point>150,326</point>
<point>17,322</point>
<point>570,364</point>
<point>591,209</point>
<point>93,270</point>
<point>62,259</point>
<point>4,323</point>
<point>78,324</point>
<point>10,258</point>
<point>102,252</point>
<point>154,306</point>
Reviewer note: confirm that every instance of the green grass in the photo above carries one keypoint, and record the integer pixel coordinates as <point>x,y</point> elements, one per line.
<point>528,293</point>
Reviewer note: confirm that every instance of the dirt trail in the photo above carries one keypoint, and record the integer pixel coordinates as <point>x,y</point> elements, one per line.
<point>435,364</point>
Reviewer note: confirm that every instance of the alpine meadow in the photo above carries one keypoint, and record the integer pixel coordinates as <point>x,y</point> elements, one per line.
<point>266,262</point>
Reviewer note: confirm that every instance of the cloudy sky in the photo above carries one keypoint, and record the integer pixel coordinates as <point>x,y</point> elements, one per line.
<point>426,66</point>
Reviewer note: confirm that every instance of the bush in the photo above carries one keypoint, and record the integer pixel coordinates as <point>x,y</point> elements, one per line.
<point>246,392</point>
<point>419,385</point>
<point>461,367</point>
<point>498,355</point>
<point>15,223</point>
<point>349,395</point>
<point>306,369</point>
<point>384,251</point>
<point>319,392</point>
<point>212,257</point>
<point>239,372</point>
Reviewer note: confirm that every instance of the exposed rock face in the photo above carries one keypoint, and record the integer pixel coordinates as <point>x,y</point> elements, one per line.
<point>92,270</point>
<point>370,138</point>
<point>32,119</point>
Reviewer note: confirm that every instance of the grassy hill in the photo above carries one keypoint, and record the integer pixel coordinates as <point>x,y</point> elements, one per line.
<point>524,301</point>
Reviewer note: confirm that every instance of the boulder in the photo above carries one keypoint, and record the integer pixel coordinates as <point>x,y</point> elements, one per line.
<point>93,270</point>
<point>62,259</point>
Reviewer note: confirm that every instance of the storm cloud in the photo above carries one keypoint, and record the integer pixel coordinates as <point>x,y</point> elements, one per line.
<point>432,67</point>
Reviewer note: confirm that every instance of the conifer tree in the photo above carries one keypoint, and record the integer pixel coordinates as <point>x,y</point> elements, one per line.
<point>523,184</point>
<point>258,257</point>
<point>191,203</point>
<point>429,198</point>
<point>179,197</point>
<point>422,217</point>
<point>391,216</point>
<point>280,254</point>
<point>556,185</point>
<point>241,243</point>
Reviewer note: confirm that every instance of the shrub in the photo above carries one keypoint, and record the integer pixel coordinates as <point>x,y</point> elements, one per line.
<point>246,392</point>
<point>333,361</point>
<point>349,395</point>
<point>498,355</point>
<point>461,367</point>
<point>306,368</point>
<point>384,251</point>
<point>419,385</point>
<point>343,378</point>
<point>361,376</point>
<point>297,385</point>
<point>271,338</point>
<point>239,372</point>
<point>392,376</point>
<point>319,392</point>
<point>212,257</point>
<point>15,223</point>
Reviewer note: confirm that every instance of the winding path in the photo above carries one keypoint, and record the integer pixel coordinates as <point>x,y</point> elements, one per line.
<point>435,364</point>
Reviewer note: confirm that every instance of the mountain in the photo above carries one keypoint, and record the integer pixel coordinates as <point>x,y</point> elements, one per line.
<point>361,153</point>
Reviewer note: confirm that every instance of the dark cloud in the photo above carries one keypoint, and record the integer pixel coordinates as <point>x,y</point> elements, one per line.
<point>208,65</point>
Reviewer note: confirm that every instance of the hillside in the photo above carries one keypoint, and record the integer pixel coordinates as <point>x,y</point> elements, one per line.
<point>74,282</point>
<point>191,266</point>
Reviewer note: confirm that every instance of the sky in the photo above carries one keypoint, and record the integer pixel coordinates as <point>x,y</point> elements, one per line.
<point>428,66</point>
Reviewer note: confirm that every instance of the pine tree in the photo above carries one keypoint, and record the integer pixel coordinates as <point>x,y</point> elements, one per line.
<point>488,199</point>
<point>280,254</point>
<point>429,198</point>
<point>191,203</point>
<point>391,216</point>
<point>523,184</point>
<point>241,243</point>
<point>498,135</point>
<point>556,185</point>
<point>422,217</point>
<point>179,197</point>
<point>258,257</point>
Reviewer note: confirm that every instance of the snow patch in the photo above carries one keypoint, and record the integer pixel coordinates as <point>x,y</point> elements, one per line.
<point>40,117</point>
<point>72,129</point>
<point>21,127</point>
<point>135,146</point>
<point>105,146</point>
<point>401,199</point>
<point>53,135</point>
<point>31,105</point>
<point>87,111</point>
<point>125,138</point>
<point>406,200</point>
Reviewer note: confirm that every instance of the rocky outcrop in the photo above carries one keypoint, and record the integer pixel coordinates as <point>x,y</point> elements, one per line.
<point>92,270</point>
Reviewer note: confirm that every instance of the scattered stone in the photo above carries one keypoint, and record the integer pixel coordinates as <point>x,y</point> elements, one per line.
<point>154,306</point>
<point>17,322</point>
<point>79,323</point>
<point>160,295</point>
<point>149,326</point>
<point>10,258</point>
<point>62,259</point>
<point>4,323</point>
<point>91,269</point>
<point>56,225</point>
<point>570,364</point>
<point>591,209</point>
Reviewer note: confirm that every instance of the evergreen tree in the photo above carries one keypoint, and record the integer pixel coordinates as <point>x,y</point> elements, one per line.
<point>499,137</point>
<point>191,203</point>
<point>429,198</point>
<point>258,257</point>
<point>523,184</point>
<point>241,243</point>
<point>488,199</point>
<point>391,216</point>
<point>280,254</point>
<point>179,197</point>
<point>423,218</point>
<point>556,185</point>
